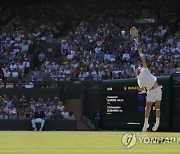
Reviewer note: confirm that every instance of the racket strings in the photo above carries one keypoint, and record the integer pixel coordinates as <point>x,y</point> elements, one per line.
<point>134,34</point>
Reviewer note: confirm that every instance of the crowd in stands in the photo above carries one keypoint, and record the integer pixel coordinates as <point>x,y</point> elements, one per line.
<point>97,46</point>
<point>22,108</point>
<point>100,46</point>
<point>31,27</point>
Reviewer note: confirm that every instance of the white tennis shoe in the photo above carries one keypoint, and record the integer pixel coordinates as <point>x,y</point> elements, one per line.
<point>145,127</point>
<point>155,127</point>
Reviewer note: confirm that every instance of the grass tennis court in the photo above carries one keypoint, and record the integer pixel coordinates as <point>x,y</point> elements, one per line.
<point>45,142</point>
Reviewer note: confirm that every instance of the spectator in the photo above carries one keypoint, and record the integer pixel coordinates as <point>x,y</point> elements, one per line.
<point>28,113</point>
<point>25,47</point>
<point>6,73</point>
<point>33,105</point>
<point>48,113</point>
<point>19,84</point>
<point>60,106</point>
<point>15,102</point>
<point>65,114</point>
<point>13,66</point>
<point>21,113</point>
<point>9,84</point>
<point>52,106</point>
<point>41,56</point>
<point>38,117</point>
<point>64,47</point>
<point>26,65</point>
<point>71,116</point>
<point>29,85</point>
<point>97,118</point>
<point>1,84</point>
<point>12,112</point>
<point>15,74</point>
<point>23,102</point>
<point>5,110</point>
<point>3,114</point>
<point>126,56</point>
<point>57,114</point>
<point>47,103</point>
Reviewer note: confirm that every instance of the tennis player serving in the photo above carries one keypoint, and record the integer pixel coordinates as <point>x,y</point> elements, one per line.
<point>147,81</point>
<point>154,93</point>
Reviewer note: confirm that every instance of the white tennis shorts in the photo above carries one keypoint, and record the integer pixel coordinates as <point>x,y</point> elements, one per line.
<point>154,95</point>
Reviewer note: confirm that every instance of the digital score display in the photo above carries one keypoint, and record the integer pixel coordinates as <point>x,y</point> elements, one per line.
<point>114,104</point>
<point>124,105</point>
<point>127,99</point>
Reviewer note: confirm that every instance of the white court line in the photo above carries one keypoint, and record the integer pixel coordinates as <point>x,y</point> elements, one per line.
<point>93,146</point>
<point>60,148</point>
<point>84,150</point>
<point>56,146</point>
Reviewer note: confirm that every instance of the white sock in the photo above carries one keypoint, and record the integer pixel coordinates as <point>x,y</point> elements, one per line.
<point>156,125</point>
<point>146,121</point>
<point>157,120</point>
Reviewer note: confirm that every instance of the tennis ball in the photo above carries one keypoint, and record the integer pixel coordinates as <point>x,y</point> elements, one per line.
<point>123,32</point>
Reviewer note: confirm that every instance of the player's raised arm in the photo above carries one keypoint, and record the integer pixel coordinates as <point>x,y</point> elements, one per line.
<point>143,59</point>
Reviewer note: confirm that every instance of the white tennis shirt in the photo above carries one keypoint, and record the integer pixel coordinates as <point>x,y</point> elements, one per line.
<point>146,79</point>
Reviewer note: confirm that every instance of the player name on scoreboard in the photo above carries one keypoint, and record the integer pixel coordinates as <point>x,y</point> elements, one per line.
<point>114,99</point>
<point>114,104</point>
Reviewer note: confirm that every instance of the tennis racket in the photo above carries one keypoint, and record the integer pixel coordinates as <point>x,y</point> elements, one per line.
<point>134,34</point>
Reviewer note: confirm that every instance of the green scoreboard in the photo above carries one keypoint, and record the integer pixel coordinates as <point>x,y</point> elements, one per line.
<point>123,106</point>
